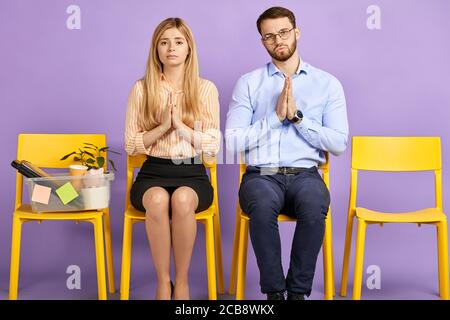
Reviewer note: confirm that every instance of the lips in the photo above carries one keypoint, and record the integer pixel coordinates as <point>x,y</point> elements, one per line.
<point>170,57</point>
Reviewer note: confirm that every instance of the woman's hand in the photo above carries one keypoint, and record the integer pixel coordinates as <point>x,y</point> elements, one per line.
<point>176,118</point>
<point>166,117</point>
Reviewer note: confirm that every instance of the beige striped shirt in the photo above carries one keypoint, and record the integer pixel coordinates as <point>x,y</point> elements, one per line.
<point>172,145</point>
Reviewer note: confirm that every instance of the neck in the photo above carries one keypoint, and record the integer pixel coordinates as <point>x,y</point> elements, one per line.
<point>290,66</point>
<point>175,75</point>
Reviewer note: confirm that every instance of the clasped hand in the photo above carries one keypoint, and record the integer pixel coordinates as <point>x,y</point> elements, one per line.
<point>286,103</point>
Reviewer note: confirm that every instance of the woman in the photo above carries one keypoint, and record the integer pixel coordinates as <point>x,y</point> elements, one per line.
<point>172,117</point>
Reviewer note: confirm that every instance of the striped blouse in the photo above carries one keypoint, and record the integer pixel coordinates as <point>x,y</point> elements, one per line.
<point>172,145</point>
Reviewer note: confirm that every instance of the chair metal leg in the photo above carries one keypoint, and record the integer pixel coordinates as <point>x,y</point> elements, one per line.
<point>359,259</point>
<point>442,240</point>
<point>234,258</point>
<point>109,255</point>
<point>210,259</point>
<point>328,261</point>
<point>347,250</point>
<point>242,259</point>
<point>15,258</point>
<point>100,257</point>
<point>218,252</point>
<point>126,259</point>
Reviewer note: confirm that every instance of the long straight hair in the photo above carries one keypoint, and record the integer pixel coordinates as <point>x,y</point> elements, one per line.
<point>152,79</point>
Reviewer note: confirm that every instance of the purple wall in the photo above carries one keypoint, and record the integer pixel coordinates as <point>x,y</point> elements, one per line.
<point>396,83</point>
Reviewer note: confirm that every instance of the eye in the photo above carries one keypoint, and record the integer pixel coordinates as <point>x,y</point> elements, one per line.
<point>179,43</point>
<point>163,43</point>
<point>268,36</point>
<point>283,32</point>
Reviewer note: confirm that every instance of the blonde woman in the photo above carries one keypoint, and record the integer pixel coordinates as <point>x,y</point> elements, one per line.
<point>172,117</point>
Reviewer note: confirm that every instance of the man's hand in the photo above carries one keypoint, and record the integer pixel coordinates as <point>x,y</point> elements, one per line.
<point>291,106</point>
<point>282,102</point>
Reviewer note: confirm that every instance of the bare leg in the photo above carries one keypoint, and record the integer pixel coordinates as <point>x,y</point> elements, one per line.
<point>184,202</point>
<point>157,223</point>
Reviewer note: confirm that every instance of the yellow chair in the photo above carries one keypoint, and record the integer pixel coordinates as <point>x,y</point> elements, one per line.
<point>395,154</point>
<point>45,150</point>
<point>240,245</point>
<point>209,217</point>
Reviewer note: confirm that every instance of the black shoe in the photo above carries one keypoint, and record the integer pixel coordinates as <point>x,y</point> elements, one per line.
<point>295,296</point>
<point>276,296</point>
<point>171,289</point>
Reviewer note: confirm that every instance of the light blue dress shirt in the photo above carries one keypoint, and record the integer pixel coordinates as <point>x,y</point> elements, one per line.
<point>253,126</point>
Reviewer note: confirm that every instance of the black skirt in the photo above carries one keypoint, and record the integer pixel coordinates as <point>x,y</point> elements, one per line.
<point>171,174</point>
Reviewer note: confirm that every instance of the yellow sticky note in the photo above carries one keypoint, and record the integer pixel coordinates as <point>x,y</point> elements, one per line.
<point>66,193</point>
<point>41,194</point>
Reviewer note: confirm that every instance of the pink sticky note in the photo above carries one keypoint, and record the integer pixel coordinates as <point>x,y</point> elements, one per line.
<point>41,194</point>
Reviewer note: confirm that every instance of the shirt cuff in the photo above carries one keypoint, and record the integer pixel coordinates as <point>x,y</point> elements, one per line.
<point>307,128</point>
<point>139,142</point>
<point>273,121</point>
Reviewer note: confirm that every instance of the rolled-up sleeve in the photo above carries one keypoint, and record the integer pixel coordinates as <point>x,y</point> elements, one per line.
<point>134,143</point>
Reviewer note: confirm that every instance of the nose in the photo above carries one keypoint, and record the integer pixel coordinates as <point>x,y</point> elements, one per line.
<point>277,39</point>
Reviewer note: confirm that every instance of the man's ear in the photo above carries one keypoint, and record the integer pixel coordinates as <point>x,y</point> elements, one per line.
<point>298,33</point>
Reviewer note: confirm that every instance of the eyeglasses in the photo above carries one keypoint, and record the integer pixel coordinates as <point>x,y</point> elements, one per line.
<point>270,37</point>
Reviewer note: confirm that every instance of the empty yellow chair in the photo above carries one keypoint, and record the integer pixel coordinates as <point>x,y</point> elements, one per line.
<point>209,217</point>
<point>395,154</point>
<point>240,245</point>
<point>45,150</point>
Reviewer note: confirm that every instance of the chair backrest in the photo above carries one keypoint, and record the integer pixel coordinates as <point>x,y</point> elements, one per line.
<point>46,150</point>
<point>396,154</point>
<point>135,162</point>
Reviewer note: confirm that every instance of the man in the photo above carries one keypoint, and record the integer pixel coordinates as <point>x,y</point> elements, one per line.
<point>283,117</point>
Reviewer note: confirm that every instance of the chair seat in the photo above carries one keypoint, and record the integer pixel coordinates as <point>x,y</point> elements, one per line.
<point>135,214</point>
<point>420,216</point>
<point>281,217</point>
<point>25,212</point>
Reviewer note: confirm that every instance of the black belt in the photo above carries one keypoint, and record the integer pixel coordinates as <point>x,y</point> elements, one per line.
<point>284,170</point>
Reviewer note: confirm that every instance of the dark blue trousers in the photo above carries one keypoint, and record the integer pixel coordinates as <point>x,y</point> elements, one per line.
<point>304,196</point>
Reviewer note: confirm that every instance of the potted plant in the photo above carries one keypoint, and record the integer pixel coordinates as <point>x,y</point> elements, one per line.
<point>95,182</point>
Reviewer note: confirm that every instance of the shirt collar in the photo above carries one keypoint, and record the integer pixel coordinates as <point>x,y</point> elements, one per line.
<point>303,66</point>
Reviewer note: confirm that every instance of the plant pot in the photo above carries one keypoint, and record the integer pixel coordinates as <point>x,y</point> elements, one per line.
<point>94,178</point>
<point>96,198</point>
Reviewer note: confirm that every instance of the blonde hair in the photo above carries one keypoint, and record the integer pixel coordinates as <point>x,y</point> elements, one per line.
<point>152,78</point>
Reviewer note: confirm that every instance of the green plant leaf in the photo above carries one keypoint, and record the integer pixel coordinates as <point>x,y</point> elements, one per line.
<point>103,149</point>
<point>76,159</point>
<point>68,155</point>
<point>86,147</point>
<point>89,154</point>
<point>112,165</point>
<point>100,162</point>
<point>90,144</point>
<point>90,161</point>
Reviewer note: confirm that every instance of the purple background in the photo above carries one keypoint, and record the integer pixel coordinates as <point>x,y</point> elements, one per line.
<point>55,80</point>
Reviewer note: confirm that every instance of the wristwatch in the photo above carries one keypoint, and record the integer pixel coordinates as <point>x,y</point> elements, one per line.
<point>298,117</point>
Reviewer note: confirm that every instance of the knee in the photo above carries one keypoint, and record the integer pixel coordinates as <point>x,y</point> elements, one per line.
<point>312,204</point>
<point>183,203</point>
<point>256,198</point>
<point>155,202</point>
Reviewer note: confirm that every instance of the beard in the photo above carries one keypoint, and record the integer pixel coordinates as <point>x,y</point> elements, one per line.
<point>283,56</point>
